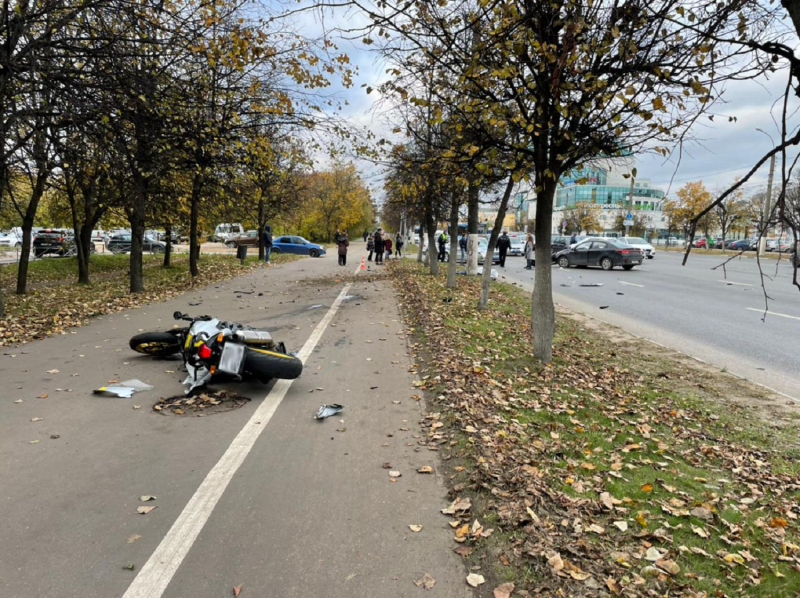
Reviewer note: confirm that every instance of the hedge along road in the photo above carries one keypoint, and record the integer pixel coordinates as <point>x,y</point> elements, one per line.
<point>306,508</point>
<point>709,314</point>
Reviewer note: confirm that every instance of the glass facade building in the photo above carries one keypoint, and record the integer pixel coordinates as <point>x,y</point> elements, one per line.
<point>644,197</point>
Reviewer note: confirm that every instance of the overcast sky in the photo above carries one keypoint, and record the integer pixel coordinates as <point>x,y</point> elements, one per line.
<point>722,151</point>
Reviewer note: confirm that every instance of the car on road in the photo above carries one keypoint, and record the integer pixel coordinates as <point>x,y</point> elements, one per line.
<point>297,245</point>
<point>10,240</point>
<point>606,253</point>
<point>648,250</point>
<point>517,245</point>
<point>743,245</point>
<point>122,244</point>
<point>700,243</point>
<point>249,239</point>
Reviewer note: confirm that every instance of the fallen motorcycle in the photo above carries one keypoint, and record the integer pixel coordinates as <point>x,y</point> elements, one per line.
<point>212,348</point>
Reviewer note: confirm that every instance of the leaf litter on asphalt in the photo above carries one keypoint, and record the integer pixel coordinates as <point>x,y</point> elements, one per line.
<point>598,466</point>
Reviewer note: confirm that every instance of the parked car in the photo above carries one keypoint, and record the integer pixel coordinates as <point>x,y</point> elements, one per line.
<point>10,240</point>
<point>517,245</point>
<point>700,243</point>
<point>298,245</point>
<point>56,242</point>
<point>648,250</point>
<point>606,253</point>
<point>100,236</point>
<point>226,230</point>
<point>249,239</point>
<point>122,244</point>
<point>743,245</point>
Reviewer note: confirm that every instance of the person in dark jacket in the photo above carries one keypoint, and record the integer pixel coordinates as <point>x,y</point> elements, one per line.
<point>503,245</point>
<point>370,247</point>
<point>442,245</point>
<point>267,242</point>
<point>342,243</point>
<point>365,235</point>
<point>379,248</point>
<point>462,245</point>
<point>398,246</point>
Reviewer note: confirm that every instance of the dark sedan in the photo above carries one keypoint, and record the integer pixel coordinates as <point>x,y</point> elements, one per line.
<point>743,245</point>
<point>122,244</point>
<point>605,253</point>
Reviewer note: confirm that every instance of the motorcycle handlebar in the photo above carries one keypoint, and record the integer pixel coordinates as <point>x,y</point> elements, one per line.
<point>181,316</point>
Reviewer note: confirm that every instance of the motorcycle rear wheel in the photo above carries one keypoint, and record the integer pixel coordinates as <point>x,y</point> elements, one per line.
<point>265,365</point>
<point>156,343</point>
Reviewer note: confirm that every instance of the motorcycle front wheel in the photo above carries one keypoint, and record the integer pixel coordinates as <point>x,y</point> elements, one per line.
<point>156,343</point>
<point>265,365</point>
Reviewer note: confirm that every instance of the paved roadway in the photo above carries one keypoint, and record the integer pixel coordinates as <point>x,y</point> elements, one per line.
<point>309,512</point>
<point>711,314</point>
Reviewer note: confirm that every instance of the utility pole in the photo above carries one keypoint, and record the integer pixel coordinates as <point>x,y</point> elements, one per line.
<point>630,208</point>
<point>762,239</point>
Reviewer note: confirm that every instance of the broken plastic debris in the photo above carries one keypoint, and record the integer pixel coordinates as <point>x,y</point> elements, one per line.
<point>124,389</point>
<point>123,392</point>
<point>328,410</point>
<point>136,385</point>
<point>591,284</point>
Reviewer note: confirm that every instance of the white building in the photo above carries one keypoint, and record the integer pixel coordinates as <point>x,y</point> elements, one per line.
<point>603,184</point>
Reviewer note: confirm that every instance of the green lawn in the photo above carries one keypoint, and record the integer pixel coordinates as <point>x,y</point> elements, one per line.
<point>708,483</point>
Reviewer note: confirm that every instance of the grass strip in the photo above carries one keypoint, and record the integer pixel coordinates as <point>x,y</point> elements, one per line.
<point>616,469</point>
<point>55,302</point>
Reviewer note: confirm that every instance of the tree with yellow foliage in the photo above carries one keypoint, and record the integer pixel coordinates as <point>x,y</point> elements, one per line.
<point>692,199</point>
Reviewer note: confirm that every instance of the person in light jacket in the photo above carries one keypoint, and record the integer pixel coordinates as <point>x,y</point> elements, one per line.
<point>529,251</point>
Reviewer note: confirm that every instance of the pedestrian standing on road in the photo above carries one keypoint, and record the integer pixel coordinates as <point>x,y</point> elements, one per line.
<point>529,249</point>
<point>370,247</point>
<point>379,246</point>
<point>342,243</point>
<point>365,235</point>
<point>398,245</point>
<point>462,245</point>
<point>387,245</point>
<point>503,244</point>
<point>267,243</point>
<point>442,245</point>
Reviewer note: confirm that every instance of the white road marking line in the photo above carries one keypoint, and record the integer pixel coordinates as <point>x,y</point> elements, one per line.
<point>155,576</point>
<point>741,284</point>
<point>772,313</point>
<point>632,284</point>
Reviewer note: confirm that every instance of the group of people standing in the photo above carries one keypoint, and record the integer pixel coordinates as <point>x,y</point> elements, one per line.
<point>380,244</point>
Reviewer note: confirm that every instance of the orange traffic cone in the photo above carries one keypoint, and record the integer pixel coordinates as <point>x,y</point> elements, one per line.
<point>363,263</point>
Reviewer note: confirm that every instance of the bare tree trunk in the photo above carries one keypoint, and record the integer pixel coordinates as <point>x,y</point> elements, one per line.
<point>543,315</point>
<point>433,254</point>
<point>472,228</point>
<point>194,240</point>
<point>261,225</point>
<point>453,261</point>
<point>27,229</point>
<point>136,220</point>
<point>168,251</point>
<point>486,279</point>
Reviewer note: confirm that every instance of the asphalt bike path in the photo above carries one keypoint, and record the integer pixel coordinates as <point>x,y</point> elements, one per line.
<point>300,508</point>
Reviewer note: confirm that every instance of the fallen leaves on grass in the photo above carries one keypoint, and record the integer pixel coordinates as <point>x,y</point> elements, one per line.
<point>55,303</point>
<point>589,460</point>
